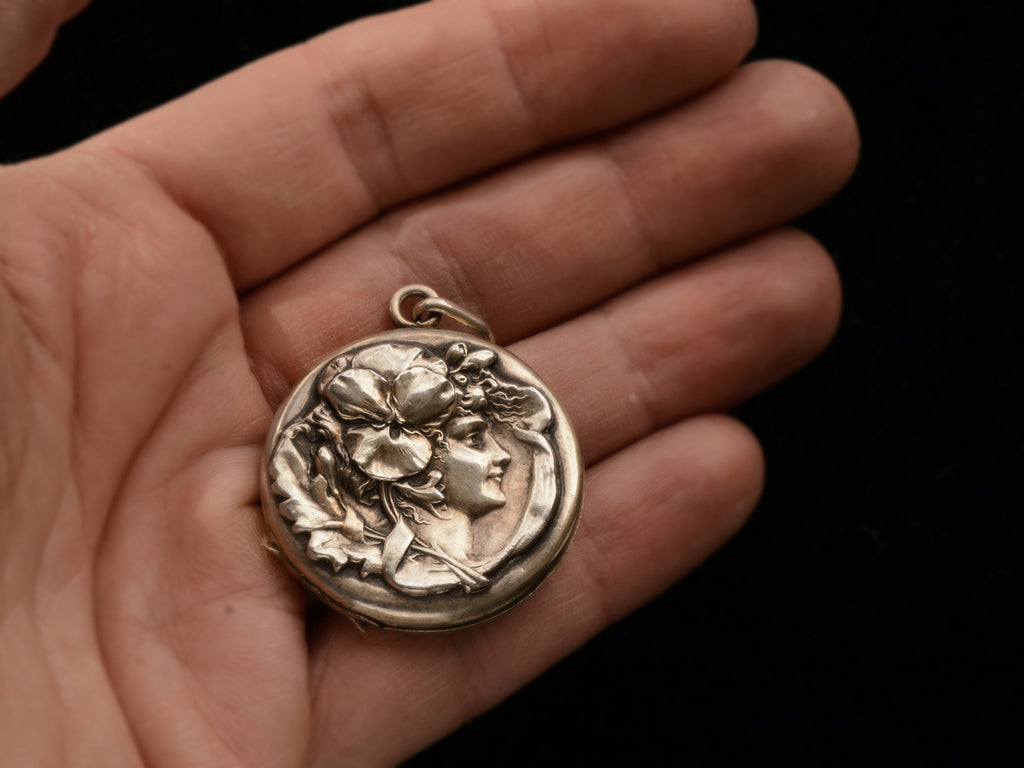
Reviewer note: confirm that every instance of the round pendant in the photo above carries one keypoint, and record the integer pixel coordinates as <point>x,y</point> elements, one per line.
<point>422,479</point>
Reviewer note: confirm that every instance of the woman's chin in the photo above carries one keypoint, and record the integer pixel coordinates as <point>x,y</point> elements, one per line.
<point>495,497</point>
<point>486,505</point>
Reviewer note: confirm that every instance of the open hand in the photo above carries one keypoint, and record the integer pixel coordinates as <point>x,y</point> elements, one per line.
<point>599,179</point>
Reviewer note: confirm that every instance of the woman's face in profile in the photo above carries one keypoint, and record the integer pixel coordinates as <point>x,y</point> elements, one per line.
<point>473,466</point>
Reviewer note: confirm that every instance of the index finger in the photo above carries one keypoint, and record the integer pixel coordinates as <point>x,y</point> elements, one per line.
<point>292,152</point>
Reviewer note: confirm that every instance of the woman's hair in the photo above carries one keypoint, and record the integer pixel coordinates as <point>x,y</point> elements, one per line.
<point>480,389</point>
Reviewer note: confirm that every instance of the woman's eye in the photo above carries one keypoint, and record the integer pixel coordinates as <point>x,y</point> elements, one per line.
<point>477,440</point>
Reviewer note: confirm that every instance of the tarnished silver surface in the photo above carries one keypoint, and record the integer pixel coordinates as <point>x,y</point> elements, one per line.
<point>422,479</point>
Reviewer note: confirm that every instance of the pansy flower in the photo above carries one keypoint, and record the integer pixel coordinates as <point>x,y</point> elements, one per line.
<point>391,394</point>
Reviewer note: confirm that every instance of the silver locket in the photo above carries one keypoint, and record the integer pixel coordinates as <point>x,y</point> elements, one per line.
<point>422,479</point>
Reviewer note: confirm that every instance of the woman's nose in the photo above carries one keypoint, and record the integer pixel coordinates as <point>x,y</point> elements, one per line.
<point>499,455</point>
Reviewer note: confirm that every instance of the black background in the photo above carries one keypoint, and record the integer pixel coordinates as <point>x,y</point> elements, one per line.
<point>870,612</point>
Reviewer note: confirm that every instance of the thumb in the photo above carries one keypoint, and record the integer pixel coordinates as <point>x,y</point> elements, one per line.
<point>27,29</point>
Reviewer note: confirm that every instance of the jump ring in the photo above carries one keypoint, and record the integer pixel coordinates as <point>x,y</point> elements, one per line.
<point>420,319</point>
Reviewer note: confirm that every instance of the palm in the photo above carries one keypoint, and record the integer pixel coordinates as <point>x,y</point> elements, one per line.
<point>163,294</point>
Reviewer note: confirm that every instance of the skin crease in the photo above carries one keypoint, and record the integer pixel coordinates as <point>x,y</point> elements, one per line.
<point>602,180</point>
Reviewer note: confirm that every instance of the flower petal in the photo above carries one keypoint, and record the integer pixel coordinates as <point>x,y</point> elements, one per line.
<point>359,394</point>
<point>385,457</point>
<point>389,360</point>
<point>423,397</point>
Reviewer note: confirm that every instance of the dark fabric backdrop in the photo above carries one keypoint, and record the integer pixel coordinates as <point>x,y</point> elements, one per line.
<point>870,612</point>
